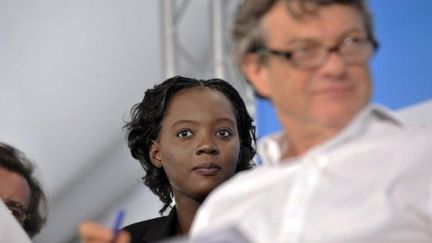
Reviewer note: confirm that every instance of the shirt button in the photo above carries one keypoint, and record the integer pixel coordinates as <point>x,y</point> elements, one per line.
<point>321,161</point>
<point>299,200</point>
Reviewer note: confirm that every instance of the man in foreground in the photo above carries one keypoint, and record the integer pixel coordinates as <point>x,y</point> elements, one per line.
<point>341,170</point>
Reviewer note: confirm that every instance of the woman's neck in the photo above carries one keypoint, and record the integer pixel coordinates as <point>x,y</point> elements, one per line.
<point>186,209</point>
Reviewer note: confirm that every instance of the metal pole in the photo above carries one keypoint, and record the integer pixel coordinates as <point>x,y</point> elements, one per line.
<point>168,38</point>
<point>218,50</point>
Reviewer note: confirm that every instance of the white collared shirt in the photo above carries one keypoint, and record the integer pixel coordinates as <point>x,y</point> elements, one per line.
<point>370,183</point>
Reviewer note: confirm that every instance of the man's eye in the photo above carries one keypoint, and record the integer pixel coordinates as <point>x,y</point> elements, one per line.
<point>16,212</point>
<point>306,51</point>
<point>353,41</point>
<point>224,133</point>
<point>184,133</point>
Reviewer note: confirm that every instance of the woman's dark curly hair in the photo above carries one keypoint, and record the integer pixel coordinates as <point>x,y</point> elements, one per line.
<point>13,160</point>
<point>147,117</point>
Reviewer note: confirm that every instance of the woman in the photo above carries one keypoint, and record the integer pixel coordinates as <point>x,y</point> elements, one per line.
<point>189,136</point>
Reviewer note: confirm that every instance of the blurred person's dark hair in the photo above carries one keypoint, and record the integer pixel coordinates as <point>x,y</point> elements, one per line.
<point>13,160</point>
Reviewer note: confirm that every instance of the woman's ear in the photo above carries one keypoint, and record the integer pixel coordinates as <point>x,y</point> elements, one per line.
<point>155,154</point>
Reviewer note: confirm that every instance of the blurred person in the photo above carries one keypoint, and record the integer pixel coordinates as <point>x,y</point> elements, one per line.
<point>21,191</point>
<point>190,136</point>
<point>342,169</point>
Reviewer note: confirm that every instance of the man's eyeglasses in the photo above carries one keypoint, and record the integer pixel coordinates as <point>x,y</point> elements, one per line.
<point>18,211</point>
<point>353,50</point>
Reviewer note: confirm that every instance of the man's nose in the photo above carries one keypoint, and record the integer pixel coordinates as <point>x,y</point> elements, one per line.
<point>334,65</point>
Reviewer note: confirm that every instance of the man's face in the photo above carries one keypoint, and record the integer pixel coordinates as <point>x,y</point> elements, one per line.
<point>14,189</point>
<point>328,95</point>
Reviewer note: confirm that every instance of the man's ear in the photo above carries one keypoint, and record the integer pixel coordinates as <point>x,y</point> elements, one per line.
<point>256,73</point>
<point>154,154</point>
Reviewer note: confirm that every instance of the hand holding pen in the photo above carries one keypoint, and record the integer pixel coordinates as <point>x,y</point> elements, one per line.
<point>91,232</point>
<point>117,225</point>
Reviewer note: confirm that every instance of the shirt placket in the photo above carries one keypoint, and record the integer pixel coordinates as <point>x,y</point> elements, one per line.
<point>303,188</point>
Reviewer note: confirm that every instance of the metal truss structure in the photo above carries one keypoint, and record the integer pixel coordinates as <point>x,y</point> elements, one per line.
<point>216,60</point>
<point>173,12</point>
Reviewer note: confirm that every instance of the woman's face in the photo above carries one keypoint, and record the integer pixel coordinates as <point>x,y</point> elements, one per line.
<point>198,145</point>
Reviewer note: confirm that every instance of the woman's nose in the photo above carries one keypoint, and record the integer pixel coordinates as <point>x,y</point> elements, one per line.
<point>206,146</point>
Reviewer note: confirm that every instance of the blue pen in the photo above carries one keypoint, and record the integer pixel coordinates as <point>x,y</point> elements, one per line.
<point>117,223</point>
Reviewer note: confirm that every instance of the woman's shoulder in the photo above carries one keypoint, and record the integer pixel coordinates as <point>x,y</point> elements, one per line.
<point>154,229</point>
<point>145,224</point>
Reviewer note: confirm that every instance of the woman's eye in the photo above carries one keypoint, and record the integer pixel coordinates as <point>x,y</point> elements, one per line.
<point>184,133</point>
<point>224,133</point>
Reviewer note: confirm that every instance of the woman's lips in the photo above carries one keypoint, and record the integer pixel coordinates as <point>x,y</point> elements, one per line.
<point>207,169</point>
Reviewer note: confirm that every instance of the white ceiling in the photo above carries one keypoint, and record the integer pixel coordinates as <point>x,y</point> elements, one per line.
<point>70,71</point>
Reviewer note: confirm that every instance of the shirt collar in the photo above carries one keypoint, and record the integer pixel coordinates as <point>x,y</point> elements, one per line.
<point>270,147</point>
